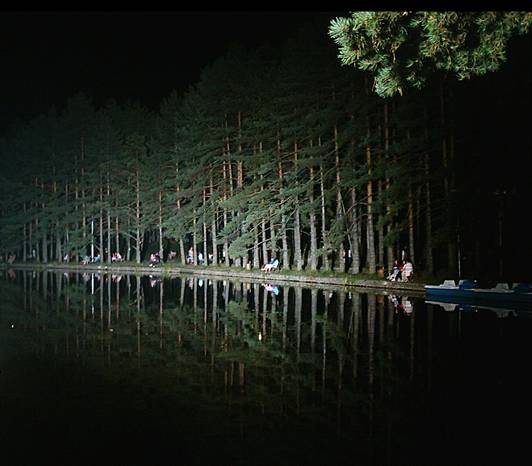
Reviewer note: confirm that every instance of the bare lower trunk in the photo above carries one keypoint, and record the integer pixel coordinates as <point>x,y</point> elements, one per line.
<point>313,259</point>
<point>325,242</point>
<point>354,235</point>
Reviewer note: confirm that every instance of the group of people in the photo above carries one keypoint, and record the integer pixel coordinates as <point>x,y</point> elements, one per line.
<point>155,259</point>
<point>271,266</point>
<point>200,258</point>
<point>116,257</point>
<point>402,271</point>
<point>402,304</point>
<point>92,259</point>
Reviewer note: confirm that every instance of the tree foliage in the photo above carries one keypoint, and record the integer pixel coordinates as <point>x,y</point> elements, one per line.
<point>402,48</point>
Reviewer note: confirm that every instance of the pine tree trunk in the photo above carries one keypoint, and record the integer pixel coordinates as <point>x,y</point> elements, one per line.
<point>370,229</point>
<point>100,219</point>
<point>429,258</point>
<point>428,220</point>
<point>205,251</point>
<point>194,239</point>
<point>24,237</point>
<point>161,248</point>
<point>389,247</point>
<point>451,247</point>
<point>109,225</point>
<point>284,240</point>
<point>325,242</point>
<point>225,219</point>
<point>410,213</point>
<point>297,226</point>
<point>340,263</point>
<point>181,242</point>
<point>256,259</point>
<point>137,218</point>
<point>213,224</point>
<point>354,237</point>
<point>45,234</point>
<point>313,257</point>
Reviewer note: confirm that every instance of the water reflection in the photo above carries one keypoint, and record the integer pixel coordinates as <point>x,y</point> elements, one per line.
<point>318,376</point>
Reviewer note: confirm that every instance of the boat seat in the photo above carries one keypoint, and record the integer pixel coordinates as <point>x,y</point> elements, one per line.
<point>523,288</point>
<point>502,286</point>
<point>449,283</point>
<point>467,284</point>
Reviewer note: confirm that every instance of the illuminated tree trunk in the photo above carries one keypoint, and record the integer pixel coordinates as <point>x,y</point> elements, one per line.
<point>240,176</point>
<point>194,239</point>
<point>389,247</point>
<point>213,224</point>
<point>284,240</point>
<point>340,263</point>
<point>101,246</point>
<point>369,229</point>
<point>138,242</point>
<point>297,225</point>
<point>225,220</point>
<point>313,257</point>
<point>354,234</point>
<point>160,225</point>
<point>109,224</point>
<point>205,251</point>
<point>325,242</point>
<point>181,242</point>
<point>410,214</point>
<point>44,233</point>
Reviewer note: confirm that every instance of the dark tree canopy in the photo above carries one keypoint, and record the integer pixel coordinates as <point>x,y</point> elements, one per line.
<point>402,48</point>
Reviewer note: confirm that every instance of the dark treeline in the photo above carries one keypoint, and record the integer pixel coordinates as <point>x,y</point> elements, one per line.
<point>272,153</point>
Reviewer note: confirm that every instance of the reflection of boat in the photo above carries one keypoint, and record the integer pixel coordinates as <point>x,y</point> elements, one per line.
<point>467,292</point>
<point>502,311</point>
<point>449,307</point>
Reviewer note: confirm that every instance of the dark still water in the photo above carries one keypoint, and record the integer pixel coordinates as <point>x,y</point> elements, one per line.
<point>106,369</point>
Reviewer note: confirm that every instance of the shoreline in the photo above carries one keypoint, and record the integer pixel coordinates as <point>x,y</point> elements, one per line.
<point>362,284</point>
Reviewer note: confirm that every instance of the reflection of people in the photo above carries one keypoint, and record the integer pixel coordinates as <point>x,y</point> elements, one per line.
<point>407,306</point>
<point>274,290</point>
<point>397,304</point>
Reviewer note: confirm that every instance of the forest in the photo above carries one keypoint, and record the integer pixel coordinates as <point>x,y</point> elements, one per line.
<point>278,153</point>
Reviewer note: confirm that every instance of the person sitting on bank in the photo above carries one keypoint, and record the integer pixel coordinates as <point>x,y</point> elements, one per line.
<point>155,259</point>
<point>117,257</point>
<point>395,275</point>
<point>270,266</point>
<point>408,271</point>
<point>201,261</point>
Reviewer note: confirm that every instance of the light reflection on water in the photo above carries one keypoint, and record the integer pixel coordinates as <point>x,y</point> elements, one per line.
<point>248,373</point>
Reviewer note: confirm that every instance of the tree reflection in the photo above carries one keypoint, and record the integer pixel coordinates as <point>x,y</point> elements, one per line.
<point>245,358</point>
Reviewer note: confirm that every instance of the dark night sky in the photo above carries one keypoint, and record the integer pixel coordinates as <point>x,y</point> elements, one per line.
<point>49,56</point>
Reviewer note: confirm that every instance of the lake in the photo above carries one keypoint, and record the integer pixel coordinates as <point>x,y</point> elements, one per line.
<point>122,369</point>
